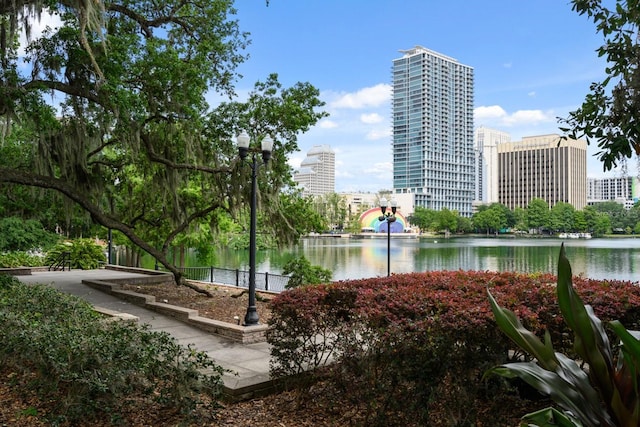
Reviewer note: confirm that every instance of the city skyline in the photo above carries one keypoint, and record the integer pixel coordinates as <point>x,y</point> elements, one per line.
<point>533,62</point>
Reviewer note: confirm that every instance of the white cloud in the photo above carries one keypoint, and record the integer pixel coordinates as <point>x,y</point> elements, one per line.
<point>489,113</point>
<point>375,96</point>
<point>528,117</point>
<point>532,94</point>
<point>507,64</point>
<point>496,116</point>
<point>371,118</point>
<point>327,124</point>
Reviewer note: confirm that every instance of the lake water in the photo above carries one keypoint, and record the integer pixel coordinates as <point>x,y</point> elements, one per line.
<point>608,258</point>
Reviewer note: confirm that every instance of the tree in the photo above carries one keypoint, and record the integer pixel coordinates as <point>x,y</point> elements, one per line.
<point>520,216</point>
<point>561,217</point>
<point>615,211</point>
<point>446,220</point>
<point>537,214</point>
<point>611,111</point>
<point>602,225</point>
<point>333,207</point>
<point>423,218</point>
<point>134,142</point>
<point>506,213</point>
<point>490,219</point>
<point>580,222</point>
<point>464,225</point>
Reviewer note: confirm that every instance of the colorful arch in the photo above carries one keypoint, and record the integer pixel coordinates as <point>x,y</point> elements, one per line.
<point>370,220</point>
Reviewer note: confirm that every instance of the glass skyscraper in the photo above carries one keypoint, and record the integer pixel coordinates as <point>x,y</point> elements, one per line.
<point>433,153</point>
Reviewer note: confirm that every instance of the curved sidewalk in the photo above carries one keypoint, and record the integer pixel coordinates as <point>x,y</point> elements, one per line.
<point>248,363</point>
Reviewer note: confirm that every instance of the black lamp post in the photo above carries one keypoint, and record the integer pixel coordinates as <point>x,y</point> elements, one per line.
<point>251,318</point>
<point>389,217</point>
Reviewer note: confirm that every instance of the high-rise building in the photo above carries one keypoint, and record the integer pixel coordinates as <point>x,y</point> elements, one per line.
<point>544,167</point>
<point>317,173</point>
<point>486,149</point>
<point>433,156</point>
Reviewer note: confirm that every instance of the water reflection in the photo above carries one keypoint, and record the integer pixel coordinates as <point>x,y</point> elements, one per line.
<point>354,259</point>
<point>350,258</point>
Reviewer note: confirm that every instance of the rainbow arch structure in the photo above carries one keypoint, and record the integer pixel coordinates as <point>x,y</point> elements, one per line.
<point>369,220</point>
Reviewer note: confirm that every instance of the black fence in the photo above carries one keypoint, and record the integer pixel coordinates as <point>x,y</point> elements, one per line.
<point>239,278</point>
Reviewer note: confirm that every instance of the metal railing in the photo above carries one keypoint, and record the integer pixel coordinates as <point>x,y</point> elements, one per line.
<point>64,260</point>
<point>239,278</point>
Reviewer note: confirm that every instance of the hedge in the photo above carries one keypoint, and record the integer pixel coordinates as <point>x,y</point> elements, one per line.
<point>409,343</point>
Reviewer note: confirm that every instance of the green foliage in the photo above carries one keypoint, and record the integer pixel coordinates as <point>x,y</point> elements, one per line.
<point>303,273</point>
<point>537,214</point>
<point>423,218</point>
<point>491,219</point>
<point>609,113</point>
<point>85,254</point>
<point>17,234</point>
<point>430,336</point>
<point>562,217</point>
<point>605,394</point>
<point>332,209</point>
<point>446,220</point>
<point>21,259</point>
<point>93,369</point>
<point>134,143</point>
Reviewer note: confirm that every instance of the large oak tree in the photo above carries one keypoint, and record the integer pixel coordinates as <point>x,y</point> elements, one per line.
<point>113,115</point>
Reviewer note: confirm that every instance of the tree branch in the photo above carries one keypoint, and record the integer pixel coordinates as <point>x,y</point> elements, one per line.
<point>151,154</point>
<point>62,87</point>
<point>52,183</point>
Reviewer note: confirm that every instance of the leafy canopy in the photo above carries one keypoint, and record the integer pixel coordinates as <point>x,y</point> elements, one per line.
<point>610,112</point>
<point>111,112</point>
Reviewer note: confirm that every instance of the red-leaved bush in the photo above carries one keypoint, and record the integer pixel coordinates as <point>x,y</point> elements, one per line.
<point>409,342</point>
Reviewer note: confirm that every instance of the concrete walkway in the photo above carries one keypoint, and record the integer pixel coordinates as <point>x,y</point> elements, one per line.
<point>248,363</point>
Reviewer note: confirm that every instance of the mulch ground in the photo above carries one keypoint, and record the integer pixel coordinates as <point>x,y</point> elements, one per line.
<point>227,303</point>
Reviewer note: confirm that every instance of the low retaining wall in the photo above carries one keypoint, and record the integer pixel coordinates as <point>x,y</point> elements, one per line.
<point>238,333</point>
<point>16,271</point>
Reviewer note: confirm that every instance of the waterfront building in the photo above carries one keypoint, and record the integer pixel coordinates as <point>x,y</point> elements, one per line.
<point>486,143</point>
<point>317,172</point>
<point>624,190</point>
<point>545,167</point>
<point>433,155</point>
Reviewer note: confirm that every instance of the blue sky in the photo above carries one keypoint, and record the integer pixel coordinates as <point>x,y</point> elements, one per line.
<point>533,62</point>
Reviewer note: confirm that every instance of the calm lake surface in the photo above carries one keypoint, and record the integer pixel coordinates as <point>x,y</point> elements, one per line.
<point>607,258</point>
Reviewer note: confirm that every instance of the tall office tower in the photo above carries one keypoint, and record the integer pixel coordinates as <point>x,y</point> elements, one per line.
<point>317,173</point>
<point>486,149</point>
<point>539,167</point>
<point>433,156</point>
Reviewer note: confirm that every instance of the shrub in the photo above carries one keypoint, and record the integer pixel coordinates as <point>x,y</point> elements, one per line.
<point>303,273</point>
<point>409,344</point>
<point>69,355</point>
<point>21,259</point>
<point>17,234</point>
<point>85,254</point>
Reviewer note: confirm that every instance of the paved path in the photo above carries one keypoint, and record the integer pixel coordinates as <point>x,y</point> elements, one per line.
<point>249,363</point>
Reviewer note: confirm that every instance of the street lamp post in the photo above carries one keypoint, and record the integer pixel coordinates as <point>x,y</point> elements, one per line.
<point>389,217</point>
<point>251,317</point>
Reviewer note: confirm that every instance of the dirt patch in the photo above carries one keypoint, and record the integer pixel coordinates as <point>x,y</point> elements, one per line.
<point>227,304</point>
